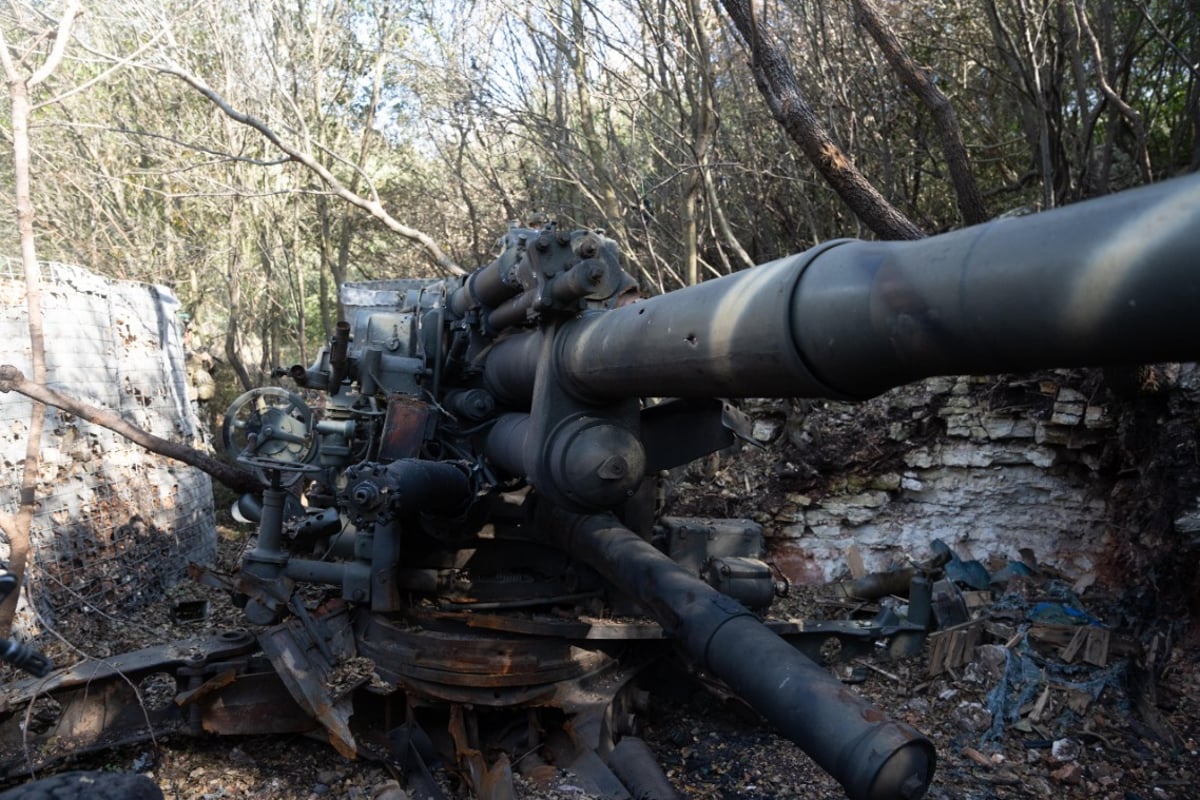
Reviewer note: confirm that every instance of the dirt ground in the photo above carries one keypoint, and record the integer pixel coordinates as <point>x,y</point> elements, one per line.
<point>1126,731</point>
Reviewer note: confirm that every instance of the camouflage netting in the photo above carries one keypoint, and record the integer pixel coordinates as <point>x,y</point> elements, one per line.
<point>116,524</point>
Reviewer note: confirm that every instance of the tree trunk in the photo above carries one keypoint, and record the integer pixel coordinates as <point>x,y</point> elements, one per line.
<point>19,541</point>
<point>614,221</point>
<point>780,88</point>
<point>1131,116</point>
<point>916,78</point>
<point>233,352</point>
<point>18,86</point>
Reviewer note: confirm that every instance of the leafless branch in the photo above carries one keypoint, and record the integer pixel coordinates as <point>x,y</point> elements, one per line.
<point>11,379</point>
<point>62,35</point>
<point>372,207</point>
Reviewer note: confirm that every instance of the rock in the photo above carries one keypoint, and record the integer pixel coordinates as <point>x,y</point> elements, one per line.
<point>963,454</point>
<point>885,482</point>
<point>1069,395</point>
<point>1008,428</point>
<point>1098,417</point>
<point>1041,786</point>
<point>389,791</point>
<point>918,705</point>
<point>972,717</point>
<point>1189,521</point>
<point>1055,434</point>
<point>1065,750</point>
<point>940,385</point>
<point>1070,774</point>
<point>876,499</point>
<point>1067,416</point>
<point>1042,457</point>
<point>802,500</point>
<point>919,458</point>
<point>987,666</point>
<point>766,430</point>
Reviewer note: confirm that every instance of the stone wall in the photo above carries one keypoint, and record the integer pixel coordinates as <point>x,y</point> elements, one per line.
<point>1046,464</point>
<point>115,524</point>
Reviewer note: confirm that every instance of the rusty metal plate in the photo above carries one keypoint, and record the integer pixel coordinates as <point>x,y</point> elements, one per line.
<point>165,657</point>
<point>253,704</point>
<point>303,656</point>
<point>404,428</point>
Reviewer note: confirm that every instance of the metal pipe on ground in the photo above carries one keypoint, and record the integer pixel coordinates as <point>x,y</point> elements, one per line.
<point>873,757</point>
<point>635,764</point>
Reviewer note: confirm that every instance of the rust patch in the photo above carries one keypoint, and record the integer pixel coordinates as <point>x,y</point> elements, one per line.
<point>873,715</point>
<point>403,429</point>
<point>798,565</point>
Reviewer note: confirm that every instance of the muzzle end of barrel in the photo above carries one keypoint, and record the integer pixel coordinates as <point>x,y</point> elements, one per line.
<point>904,771</point>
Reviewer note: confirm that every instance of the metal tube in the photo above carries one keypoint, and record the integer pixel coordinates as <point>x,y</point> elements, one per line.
<point>1114,280</point>
<point>1111,281</point>
<point>634,763</point>
<point>872,757</point>
<point>338,360</point>
<point>505,443</point>
<point>511,367</point>
<point>310,571</point>
<point>268,557</point>
<point>512,311</point>
<point>487,286</point>
<point>410,485</point>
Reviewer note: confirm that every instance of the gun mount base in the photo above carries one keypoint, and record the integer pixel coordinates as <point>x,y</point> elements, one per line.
<point>566,683</point>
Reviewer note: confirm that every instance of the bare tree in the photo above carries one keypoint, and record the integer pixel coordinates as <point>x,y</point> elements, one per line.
<point>1127,112</point>
<point>916,78</point>
<point>21,80</point>
<point>779,87</point>
<point>371,205</point>
<point>457,121</point>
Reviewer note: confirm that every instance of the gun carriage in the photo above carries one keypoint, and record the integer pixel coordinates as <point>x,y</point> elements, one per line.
<point>482,481</point>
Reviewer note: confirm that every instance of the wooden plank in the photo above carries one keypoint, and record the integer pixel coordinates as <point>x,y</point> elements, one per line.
<point>1073,647</point>
<point>1095,651</point>
<point>1054,635</point>
<point>855,562</point>
<point>977,599</point>
<point>937,654</point>
<point>953,647</point>
<point>972,635</point>
<point>1039,707</point>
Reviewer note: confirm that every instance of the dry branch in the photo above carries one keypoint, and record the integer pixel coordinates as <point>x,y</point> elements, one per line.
<point>372,207</point>
<point>238,480</point>
<point>779,86</point>
<point>916,78</point>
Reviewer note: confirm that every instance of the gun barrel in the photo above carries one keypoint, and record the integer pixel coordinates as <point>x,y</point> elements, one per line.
<point>1109,281</point>
<point>871,756</point>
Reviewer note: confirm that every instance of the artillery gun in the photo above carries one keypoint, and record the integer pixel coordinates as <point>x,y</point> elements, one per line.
<point>481,473</point>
